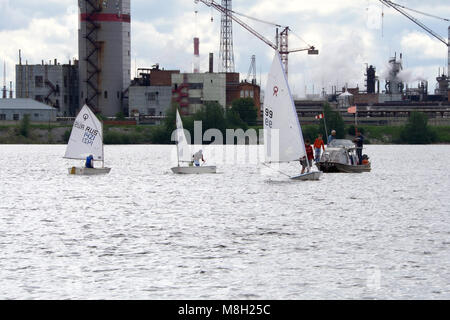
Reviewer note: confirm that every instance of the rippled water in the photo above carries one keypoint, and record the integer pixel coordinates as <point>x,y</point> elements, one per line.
<point>247,232</point>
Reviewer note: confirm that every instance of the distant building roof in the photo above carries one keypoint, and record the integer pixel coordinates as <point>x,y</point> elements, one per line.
<point>23,104</point>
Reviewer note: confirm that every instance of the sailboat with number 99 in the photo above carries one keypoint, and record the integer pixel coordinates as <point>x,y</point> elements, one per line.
<point>283,138</point>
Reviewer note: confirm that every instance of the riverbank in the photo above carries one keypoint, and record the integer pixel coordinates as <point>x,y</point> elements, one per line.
<point>144,134</point>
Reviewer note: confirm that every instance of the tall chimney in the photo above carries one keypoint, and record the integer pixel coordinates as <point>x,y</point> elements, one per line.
<point>4,90</point>
<point>211,62</point>
<point>196,55</point>
<point>448,59</point>
<point>10,90</point>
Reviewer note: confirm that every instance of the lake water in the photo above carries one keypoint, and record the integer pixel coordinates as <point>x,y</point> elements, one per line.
<point>247,232</point>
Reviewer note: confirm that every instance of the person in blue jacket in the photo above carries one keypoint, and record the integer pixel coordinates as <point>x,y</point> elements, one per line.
<point>90,161</point>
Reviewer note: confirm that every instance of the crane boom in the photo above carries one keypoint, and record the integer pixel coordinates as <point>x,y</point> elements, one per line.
<point>281,46</point>
<point>400,9</point>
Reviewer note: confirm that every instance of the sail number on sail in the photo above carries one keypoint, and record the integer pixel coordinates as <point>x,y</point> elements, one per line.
<point>89,136</point>
<point>269,115</point>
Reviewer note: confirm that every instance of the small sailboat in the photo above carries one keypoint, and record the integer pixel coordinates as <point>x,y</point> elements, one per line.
<point>283,138</point>
<point>184,154</point>
<point>86,139</point>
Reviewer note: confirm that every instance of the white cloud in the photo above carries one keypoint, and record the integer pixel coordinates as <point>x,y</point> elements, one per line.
<point>423,46</point>
<point>345,32</point>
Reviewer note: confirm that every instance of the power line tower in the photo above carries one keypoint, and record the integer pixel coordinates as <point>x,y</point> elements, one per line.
<point>226,55</point>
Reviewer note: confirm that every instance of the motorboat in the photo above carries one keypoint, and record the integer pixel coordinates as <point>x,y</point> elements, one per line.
<point>340,156</point>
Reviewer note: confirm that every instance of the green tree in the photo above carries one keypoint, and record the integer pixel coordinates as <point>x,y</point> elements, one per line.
<point>25,126</point>
<point>416,130</point>
<point>120,116</point>
<point>212,116</point>
<point>334,121</point>
<point>245,108</point>
<point>162,134</point>
<point>234,121</point>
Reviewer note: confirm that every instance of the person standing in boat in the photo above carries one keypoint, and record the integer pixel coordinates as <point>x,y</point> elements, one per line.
<point>359,142</point>
<point>318,143</point>
<point>197,157</point>
<point>306,162</point>
<point>332,136</point>
<point>90,161</point>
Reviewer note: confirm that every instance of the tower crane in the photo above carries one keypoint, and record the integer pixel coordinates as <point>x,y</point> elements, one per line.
<point>402,9</point>
<point>282,43</point>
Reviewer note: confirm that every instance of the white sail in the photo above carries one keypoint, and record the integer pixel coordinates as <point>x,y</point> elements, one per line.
<point>283,139</point>
<point>86,137</point>
<point>184,150</point>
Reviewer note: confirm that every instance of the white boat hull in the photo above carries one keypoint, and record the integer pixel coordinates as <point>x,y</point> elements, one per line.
<point>194,170</point>
<point>314,175</point>
<point>88,171</point>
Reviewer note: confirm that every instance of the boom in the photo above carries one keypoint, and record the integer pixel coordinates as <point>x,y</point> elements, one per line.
<point>282,40</point>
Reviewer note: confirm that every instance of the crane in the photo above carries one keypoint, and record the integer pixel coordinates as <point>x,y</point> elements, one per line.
<point>282,43</point>
<point>402,9</point>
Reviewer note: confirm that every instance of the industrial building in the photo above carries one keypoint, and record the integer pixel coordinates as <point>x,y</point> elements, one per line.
<point>16,109</point>
<point>390,106</point>
<point>104,53</point>
<point>51,83</point>
<point>191,90</point>
<point>151,93</point>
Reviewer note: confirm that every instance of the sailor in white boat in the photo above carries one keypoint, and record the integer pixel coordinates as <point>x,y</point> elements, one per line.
<point>90,161</point>
<point>309,157</point>
<point>197,157</point>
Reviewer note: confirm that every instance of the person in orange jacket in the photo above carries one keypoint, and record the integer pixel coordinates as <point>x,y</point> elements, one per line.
<point>318,143</point>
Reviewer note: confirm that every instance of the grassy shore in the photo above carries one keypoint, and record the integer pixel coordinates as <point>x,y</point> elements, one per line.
<point>142,134</point>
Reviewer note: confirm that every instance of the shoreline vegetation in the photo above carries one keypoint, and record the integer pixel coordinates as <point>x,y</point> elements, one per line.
<point>242,115</point>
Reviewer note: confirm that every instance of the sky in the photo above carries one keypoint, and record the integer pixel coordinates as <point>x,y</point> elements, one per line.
<point>349,34</point>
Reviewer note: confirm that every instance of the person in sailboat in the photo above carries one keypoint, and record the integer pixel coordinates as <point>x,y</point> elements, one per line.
<point>197,157</point>
<point>359,141</point>
<point>318,143</point>
<point>306,162</point>
<point>332,136</point>
<point>90,161</point>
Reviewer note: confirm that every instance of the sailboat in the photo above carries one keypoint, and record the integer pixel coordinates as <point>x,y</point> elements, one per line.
<point>86,139</point>
<point>283,138</point>
<point>184,154</point>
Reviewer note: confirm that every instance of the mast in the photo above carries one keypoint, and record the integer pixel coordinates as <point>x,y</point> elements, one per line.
<point>176,142</point>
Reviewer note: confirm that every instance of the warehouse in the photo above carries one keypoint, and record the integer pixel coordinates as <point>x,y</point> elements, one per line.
<point>16,109</point>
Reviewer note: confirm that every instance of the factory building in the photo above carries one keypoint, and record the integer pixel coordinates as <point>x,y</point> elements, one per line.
<point>191,90</point>
<point>16,109</point>
<point>51,83</point>
<point>104,52</point>
<point>151,93</point>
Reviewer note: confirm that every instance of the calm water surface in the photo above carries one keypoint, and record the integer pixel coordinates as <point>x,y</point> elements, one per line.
<point>247,232</point>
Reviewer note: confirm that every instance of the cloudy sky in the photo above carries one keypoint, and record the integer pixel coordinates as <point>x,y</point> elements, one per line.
<point>348,34</point>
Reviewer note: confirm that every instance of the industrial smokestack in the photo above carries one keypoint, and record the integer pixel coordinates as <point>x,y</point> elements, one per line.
<point>10,90</point>
<point>4,90</point>
<point>211,62</point>
<point>448,59</point>
<point>196,55</point>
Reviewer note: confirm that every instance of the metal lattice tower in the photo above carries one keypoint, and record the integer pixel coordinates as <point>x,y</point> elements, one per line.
<point>226,55</point>
<point>91,58</point>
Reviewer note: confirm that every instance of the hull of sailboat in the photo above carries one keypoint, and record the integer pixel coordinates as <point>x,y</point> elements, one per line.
<point>347,168</point>
<point>309,176</point>
<point>88,171</point>
<point>194,170</point>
